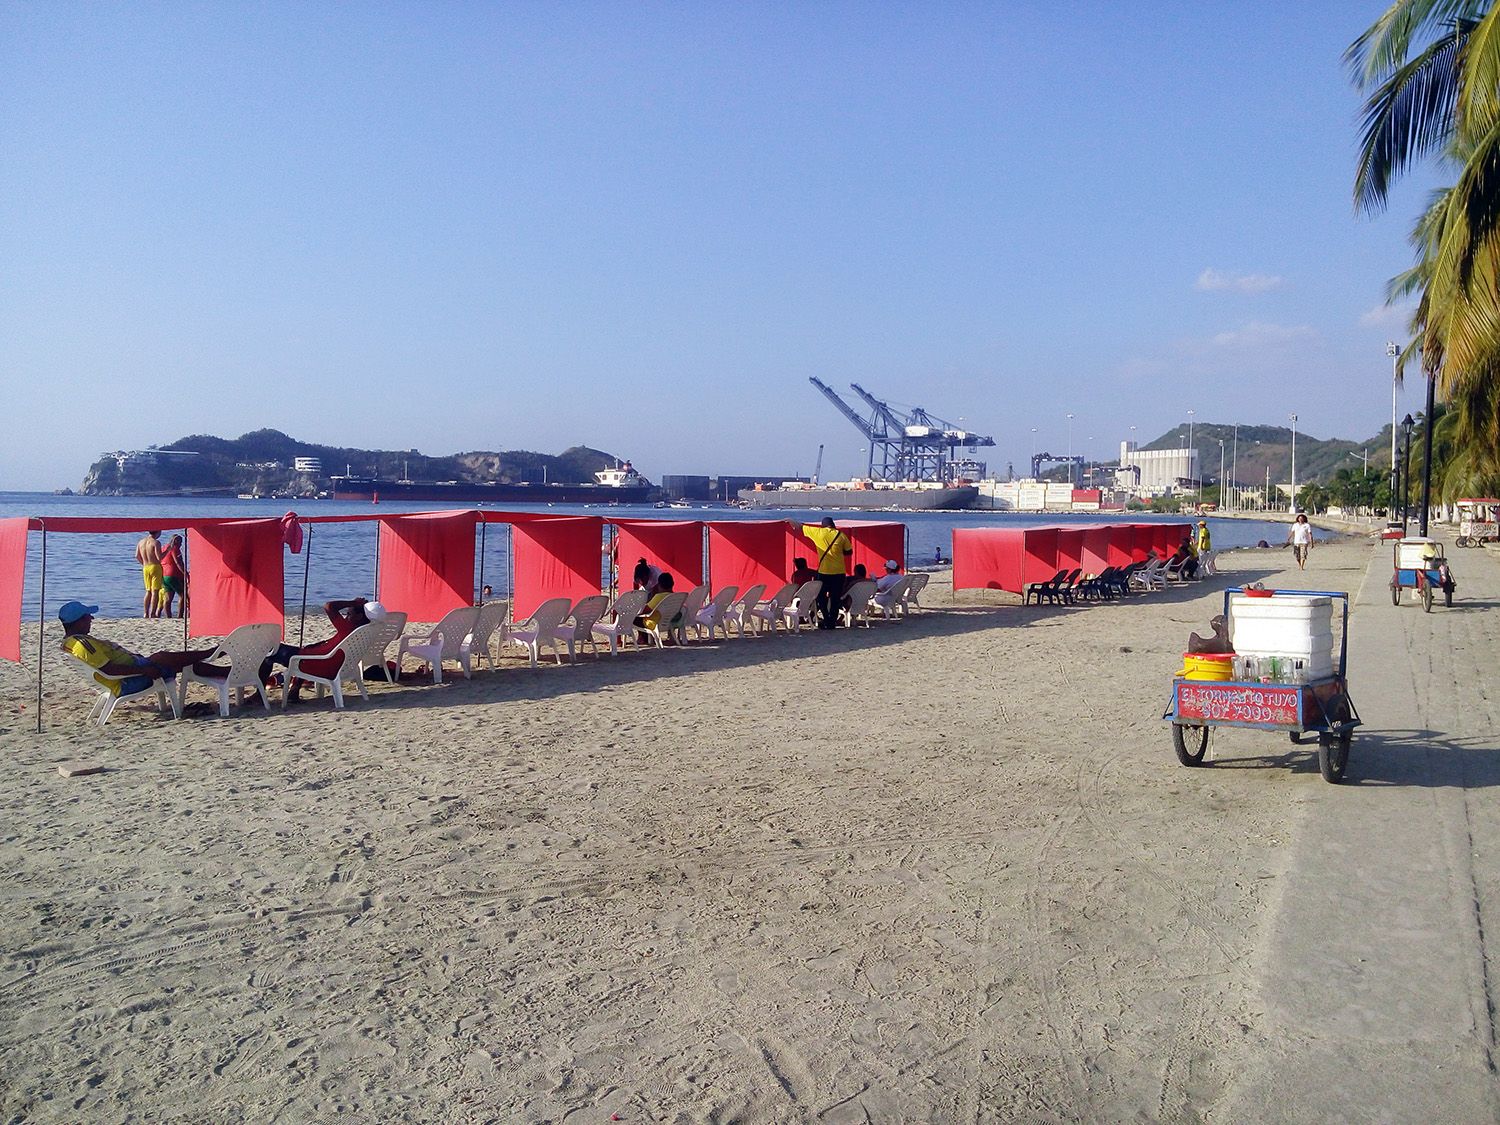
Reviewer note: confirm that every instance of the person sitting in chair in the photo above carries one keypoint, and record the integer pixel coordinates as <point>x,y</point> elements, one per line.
<point>801,572</point>
<point>891,576</point>
<point>1185,559</point>
<point>135,673</point>
<point>345,617</point>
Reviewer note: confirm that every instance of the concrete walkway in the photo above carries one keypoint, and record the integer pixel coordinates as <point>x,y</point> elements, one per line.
<point>1379,977</point>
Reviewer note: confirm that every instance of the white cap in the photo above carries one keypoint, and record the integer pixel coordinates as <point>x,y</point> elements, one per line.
<point>374,611</point>
<point>892,565</point>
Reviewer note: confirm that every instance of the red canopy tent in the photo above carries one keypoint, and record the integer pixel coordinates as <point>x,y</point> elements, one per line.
<point>551,557</point>
<point>427,563</point>
<point>238,576</point>
<point>874,541</point>
<point>1004,558</point>
<point>676,546</point>
<point>745,553</point>
<point>1095,555</point>
<point>12,584</point>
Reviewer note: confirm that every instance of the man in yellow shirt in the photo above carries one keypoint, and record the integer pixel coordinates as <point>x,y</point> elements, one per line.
<point>119,669</point>
<point>834,549</point>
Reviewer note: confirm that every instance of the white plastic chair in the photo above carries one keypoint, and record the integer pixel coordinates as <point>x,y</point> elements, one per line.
<point>772,611</point>
<point>711,616</point>
<point>356,650</point>
<point>106,701</point>
<point>913,592</point>
<point>803,608</point>
<point>667,625</point>
<point>620,630</point>
<point>858,596</point>
<point>739,609</point>
<point>382,634</point>
<point>491,617</point>
<point>578,627</point>
<point>888,602</point>
<point>449,640</point>
<point>246,648</point>
<point>1151,577</point>
<point>542,628</point>
<point>697,598</point>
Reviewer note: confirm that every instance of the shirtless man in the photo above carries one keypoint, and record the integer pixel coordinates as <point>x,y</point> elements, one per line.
<point>148,554</point>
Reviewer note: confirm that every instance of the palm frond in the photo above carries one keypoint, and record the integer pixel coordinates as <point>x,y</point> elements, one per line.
<point>1385,45</point>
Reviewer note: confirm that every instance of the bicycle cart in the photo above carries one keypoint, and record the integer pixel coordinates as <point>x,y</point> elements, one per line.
<point>1417,563</point>
<point>1320,706</point>
<point>1476,522</point>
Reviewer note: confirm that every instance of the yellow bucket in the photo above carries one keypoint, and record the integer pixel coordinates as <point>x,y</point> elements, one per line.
<point>1207,666</point>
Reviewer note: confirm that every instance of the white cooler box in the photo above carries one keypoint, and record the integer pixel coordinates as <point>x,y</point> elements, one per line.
<point>1297,627</point>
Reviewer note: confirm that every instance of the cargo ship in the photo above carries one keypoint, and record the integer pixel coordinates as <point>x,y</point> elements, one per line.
<point>620,485</point>
<point>862,495</point>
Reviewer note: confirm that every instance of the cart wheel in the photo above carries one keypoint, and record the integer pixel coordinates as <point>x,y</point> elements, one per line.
<point>1427,596</point>
<point>1395,594</point>
<point>1191,743</point>
<point>1333,755</point>
<point>1461,541</point>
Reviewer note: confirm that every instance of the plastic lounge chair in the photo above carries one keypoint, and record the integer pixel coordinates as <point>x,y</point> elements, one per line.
<point>711,616</point>
<point>329,670</point>
<point>858,610</point>
<point>668,611</point>
<point>245,649</point>
<point>491,618</point>
<point>1068,591</point>
<point>449,640</point>
<point>1047,589</point>
<point>1149,577</point>
<point>1172,572</point>
<point>739,609</point>
<point>772,611</point>
<point>889,601</point>
<point>913,591</point>
<point>578,627</point>
<point>803,609</point>
<point>106,700</point>
<point>697,598</point>
<point>382,633</point>
<point>620,628</point>
<point>542,628</point>
<point>1208,562</point>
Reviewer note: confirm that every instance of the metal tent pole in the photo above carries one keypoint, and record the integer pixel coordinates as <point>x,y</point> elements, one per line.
<point>41,628</point>
<point>183,609</point>
<point>375,593</point>
<point>483,526</point>
<point>306,566</point>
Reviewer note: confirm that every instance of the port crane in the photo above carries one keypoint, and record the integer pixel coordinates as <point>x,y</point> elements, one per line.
<point>1040,459</point>
<point>915,446</point>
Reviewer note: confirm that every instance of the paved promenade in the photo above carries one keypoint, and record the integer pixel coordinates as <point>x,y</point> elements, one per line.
<point>1378,977</point>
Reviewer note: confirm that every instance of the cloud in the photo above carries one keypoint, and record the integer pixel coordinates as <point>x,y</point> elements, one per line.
<point>1394,316</point>
<point>1212,280</point>
<point>1259,335</point>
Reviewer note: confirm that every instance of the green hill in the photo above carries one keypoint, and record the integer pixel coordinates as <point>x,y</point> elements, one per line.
<point>1263,448</point>
<point>262,462</point>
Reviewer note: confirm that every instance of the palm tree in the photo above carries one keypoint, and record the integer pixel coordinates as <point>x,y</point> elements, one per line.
<point>1432,69</point>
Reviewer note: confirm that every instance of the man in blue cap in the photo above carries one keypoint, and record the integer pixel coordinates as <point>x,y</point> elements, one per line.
<point>110,659</point>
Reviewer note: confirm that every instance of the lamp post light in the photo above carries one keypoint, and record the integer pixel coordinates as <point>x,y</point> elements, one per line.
<point>1070,450</point>
<point>1293,504</point>
<point>1221,474</point>
<point>1406,425</point>
<point>1427,455</point>
<point>1265,495</point>
<point>1191,474</point>
<point>1033,451</point>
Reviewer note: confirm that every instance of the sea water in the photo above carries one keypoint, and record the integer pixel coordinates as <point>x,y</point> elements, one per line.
<point>338,559</point>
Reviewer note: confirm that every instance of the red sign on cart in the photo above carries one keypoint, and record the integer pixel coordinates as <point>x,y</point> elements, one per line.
<point>1275,705</point>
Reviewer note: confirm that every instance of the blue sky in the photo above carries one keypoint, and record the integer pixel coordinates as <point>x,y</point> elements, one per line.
<point>642,228</point>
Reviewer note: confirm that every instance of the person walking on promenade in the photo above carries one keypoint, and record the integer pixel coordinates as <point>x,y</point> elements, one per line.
<point>173,578</point>
<point>1301,539</point>
<point>148,554</point>
<point>834,549</point>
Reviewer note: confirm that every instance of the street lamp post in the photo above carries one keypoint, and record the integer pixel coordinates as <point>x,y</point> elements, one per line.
<point>1406,425</point>
<point>1394,351</point>
<point>1191,474</point>
<point>1427,455</point>
<point>1234,465</point>
<point>1070,451</point>
<point>1265,493</point>
<point>1293,505</point>
<point>1221,474</point>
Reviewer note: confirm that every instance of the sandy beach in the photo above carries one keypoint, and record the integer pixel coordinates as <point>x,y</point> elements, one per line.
<point>944,869</point>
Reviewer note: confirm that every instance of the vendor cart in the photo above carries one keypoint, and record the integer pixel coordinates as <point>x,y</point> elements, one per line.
<point>1476,522</point>
<point>1320,706</point>
<point>1418,568</point>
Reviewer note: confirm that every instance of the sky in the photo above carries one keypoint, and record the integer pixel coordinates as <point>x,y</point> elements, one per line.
<point>643,227</point>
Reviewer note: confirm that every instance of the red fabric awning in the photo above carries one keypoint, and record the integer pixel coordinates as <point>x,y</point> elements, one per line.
<point>675,546</point>
<point>745,553</point>
<point>874,541</point>
<point>237,576</point>
<point>427,563</point>
<point>12,584</point>
<point>555,558</point>
<point>1095,557</point>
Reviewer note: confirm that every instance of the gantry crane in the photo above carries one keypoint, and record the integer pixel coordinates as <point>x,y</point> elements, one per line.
<point>908,447</point>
